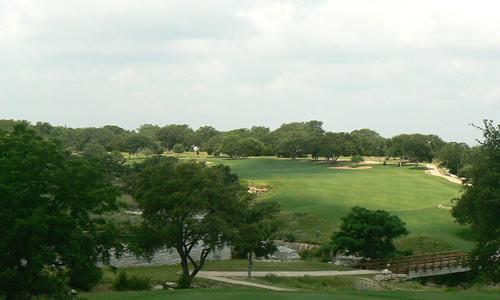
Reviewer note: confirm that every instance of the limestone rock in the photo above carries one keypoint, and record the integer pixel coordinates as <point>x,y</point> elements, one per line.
<point>285,254</point>
<point>171,284</point>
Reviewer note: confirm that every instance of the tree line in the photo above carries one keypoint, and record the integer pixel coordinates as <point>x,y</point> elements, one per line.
<point>57,224</point>
<point>291,140</point>
<point>56,204</point>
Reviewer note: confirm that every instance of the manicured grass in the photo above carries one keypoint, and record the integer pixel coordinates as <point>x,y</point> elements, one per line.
<point>314,197</point>
<point>247,294</point>
<point>171,273</point>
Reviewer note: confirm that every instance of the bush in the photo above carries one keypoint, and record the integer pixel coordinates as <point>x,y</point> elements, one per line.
<point>309,254</point>
<point>368,233</point>
<point>357,158</point>
<point>323,253</point>
<point>290,237</point>
<point>178,148</point>
<point>132,283</point>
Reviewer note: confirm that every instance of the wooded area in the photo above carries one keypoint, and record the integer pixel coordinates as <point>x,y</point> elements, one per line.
<point>290,140</point>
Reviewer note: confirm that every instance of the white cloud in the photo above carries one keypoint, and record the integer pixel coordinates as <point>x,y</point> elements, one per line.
<point>383,64</point>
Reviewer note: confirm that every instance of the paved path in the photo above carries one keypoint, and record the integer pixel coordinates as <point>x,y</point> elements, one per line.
<point>287,273</point>
<point>245,283</point>
<point>432,169</point>
<point>221,276</point>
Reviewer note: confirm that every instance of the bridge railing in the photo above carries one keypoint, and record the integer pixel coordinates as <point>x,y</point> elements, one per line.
<point>421,262</point>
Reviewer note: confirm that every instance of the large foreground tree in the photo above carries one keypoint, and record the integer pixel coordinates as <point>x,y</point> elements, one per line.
<point>187,205</point>
<point>479,205</point>
<point>51,231</point>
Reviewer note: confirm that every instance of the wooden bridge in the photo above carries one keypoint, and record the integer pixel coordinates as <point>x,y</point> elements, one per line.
<point>432,264</point>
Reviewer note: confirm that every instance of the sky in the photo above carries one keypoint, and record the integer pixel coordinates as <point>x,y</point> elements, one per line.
<point>392,66</point>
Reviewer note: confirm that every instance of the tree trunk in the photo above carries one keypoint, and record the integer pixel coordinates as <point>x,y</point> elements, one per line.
<point>186,279</point>
<point>250,264</point>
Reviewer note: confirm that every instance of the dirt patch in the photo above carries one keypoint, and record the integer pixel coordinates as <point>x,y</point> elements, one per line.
<point>370,162</point>
<point>351,168</point>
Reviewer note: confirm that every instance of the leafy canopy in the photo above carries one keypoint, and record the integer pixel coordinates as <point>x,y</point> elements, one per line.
<point>186,205</point>
<point>50,222</point>
<point>368,233</point>
<point>257,231</point>
<point>479,205</point>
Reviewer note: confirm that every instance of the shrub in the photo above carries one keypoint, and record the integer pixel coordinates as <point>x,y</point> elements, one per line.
<point>178,148</point>
<point>368,233</point>
<point>290,237</point>
<point>357,158</point>
<point>309,254</point>
<point>133,283</point>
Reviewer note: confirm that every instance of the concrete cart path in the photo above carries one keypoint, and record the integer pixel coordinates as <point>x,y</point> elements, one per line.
<point>286,273</point>
<point>432,169</point>
<point>246,283</point>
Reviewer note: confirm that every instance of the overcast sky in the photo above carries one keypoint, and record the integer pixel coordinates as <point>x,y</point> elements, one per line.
<point>393,66</point>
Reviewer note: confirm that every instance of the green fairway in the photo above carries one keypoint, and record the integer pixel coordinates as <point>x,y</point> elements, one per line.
<point>242,294</point>
<point>316,197</point>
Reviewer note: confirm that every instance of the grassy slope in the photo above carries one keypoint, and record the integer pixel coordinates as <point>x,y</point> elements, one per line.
<point>325,195</point>
<point>244,294</point>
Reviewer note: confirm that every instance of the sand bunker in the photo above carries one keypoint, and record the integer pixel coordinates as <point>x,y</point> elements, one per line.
<point>370,162</point>
<point>445,207</point>
<point>351,168</point>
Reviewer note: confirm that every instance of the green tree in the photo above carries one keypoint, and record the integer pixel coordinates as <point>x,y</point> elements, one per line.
<point>238,144</point>
<point>250,147</point>
<point>368,233</point>
<point>149,130</point>
<point>8,125</point>
<point>357,158</point>
<point>231,145</point>
<point>51,223</point>
<point>292,139</point>
<point>368,142</point>
<point>396,147</point>
<point>112,162</point>
<point>174,134</point>
<point>452,156</point>
<point>185,205</point>
<point>264,135</point>
<point>261,133</point>
<point>256,233</point>
<point>418,148</point>
<point>436,143</point>
<point>214,145</point>
<point>178,148</point>
<point>202,135</point>
<point>336,144</point>
<point>136,142</point>
<point>479,205</point>
<point>415,147</point>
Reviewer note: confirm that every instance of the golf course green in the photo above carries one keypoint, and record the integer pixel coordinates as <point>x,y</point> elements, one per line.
<point>314,197</point>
